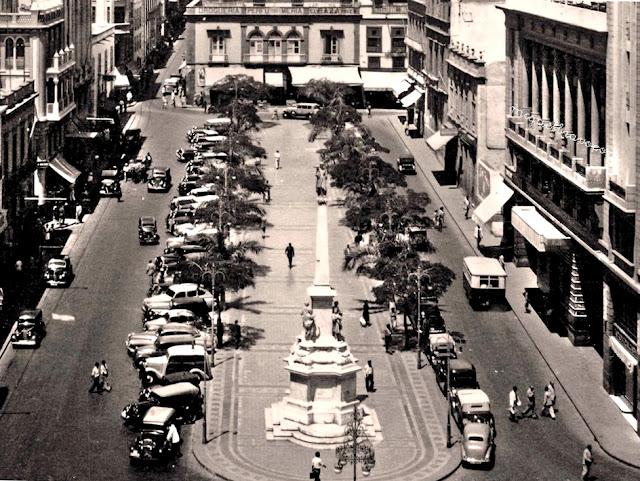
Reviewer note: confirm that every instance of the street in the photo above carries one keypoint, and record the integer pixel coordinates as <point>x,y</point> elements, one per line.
<point>51,428</point>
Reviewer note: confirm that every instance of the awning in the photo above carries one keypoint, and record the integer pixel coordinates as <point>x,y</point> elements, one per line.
<point>411,98</point>
<point>64,169</point>
<point>536,229</point>
<point>380,81</point>
<point>401,86</point>
<point>215,74</point>
<point>347,75</point>
<point>492,203</point>
<point>439,139</point>
<point>275,79</point>
<point>623,354</point>
<point>120,81</point>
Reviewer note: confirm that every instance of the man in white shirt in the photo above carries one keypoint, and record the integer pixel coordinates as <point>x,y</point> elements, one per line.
<point>368,377</point>
<point>95,379</point>
<point>174,438</point>
<point>514,402</point>
<point>276,156</point>
<point>316,466</point>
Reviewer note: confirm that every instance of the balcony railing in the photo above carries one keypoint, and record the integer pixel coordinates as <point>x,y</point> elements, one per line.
<point>218,58</point>
<point>620,261</point>
<point>387,9</point>
<point>617,189</point>
<point>289,59</point>
<point>331,58</point>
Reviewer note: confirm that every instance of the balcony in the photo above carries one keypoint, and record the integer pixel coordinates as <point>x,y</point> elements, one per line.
<point>218,58</point>
<point>57,112</point>
<point>589,178</point>
<point>288,59</point>
<point>620,261</point>
<point>390,9</point>
<point>331,58</point>
<point>622,196</point>
<point>33,18</point>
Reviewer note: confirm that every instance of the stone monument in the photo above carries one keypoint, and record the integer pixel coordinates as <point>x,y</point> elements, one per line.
<point>322,370</point>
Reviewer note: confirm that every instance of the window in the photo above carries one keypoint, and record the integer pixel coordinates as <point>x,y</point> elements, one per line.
<point>331,45</point>
<point>274,45</point>
<point>374,62</point>
<point>93,14</point>
<point>8,54</point>
<point>20,53</point>
<point>622,232</point>
<point>489,281</point>
<point>109,14</point>
<point>293,46</point>
<point>255,45</point>
<point>374,39</point>
<point>216,45</point>
<point>398,63</point>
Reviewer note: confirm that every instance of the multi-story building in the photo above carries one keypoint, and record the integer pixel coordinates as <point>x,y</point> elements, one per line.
<point>476,74</point>
<point>123,18</point>
<point>153,20</point>
<point>77,33</point>
<point>285,44</point>
<point>102,51</point>
<point>620,242</point>
<point>572,101</point>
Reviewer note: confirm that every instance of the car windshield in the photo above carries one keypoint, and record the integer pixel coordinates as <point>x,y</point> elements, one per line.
<point>463,380</point>
<point>56,264</point>
<point>171,292</point>
<point>475,438</point>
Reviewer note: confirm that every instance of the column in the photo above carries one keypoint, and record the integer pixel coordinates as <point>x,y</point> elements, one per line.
<point>595,106</point>
<point>535,87</point>
<point>581,149</point>
<point>56,86</point>
<point>568,99</point>
<point>545,84</point>
<point>521,74</point>
<point>556,87</point>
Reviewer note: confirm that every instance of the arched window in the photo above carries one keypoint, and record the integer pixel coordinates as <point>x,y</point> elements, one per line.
<point>8,54</point>
<point>293,43</point>
<point>255,43</point>
<point>20,53</point>
<point>274,44</point>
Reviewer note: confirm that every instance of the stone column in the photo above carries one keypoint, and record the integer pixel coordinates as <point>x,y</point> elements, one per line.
<point>581,150</point>
<point>521,74</point>
<point>568,99</point>
<point>535,86</point>
<point>594,156</point>
<point>556,88</point>
<point>607,355</point>
<point>545,84</point>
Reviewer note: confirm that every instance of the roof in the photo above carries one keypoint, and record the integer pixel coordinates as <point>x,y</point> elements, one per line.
<point>158,416</point>
<point>177,389</point>
<point>186,350</point>
<point>484,266</point>
<point>476,429</point>
<point>472,396</point>
<point>566,14</point>
<point>29,313</point>
<point>460,364</point>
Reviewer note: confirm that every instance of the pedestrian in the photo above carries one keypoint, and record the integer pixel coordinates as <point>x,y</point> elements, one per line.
<point>104,374</point>
<point>368,377</point>
<point>263,227</point>
<point>368,110</point>
<point>277,158</point>
<point>275,115</point>
<point>547,404</point>
<point>436,219</point>
<point>204,105</point>
<point>441,214</point>
<point>336,326</point>
<point>587,462</point>
<point>47,231</point>
<point>531,403</point>
<point>129,97</point>
<point>387,339</point>
<point>552,391</point>
<point>467,205</point>
<point>151,268</point>
<point>267,191</point>
<point>173,98</point>
<point>121,106</point>
<point>365,313</point>
<point>316,466</point>
<point>393,314</point>
<point>164,102</point>
<point>514,402</point>
<point>525,294</point>
<point>501,260</point>
<point>79,212</point>
<point>18,265</point>
<point>347,257</point>
<point>358,239</point>
<point>478,235</point>
<point>236,332</point>
<point>173,438</point>
<point>290,252</point>
<point>95,378</point>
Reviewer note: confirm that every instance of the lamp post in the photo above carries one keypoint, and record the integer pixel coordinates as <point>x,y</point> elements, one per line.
<point>448,407</point>
<point>419,275</point>
<point>356,447</point>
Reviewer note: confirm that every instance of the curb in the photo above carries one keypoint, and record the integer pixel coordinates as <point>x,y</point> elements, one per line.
<point>520,320</point>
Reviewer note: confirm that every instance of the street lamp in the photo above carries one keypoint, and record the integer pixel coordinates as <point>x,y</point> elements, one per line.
<point>419,275</point>
<point>356,447</point>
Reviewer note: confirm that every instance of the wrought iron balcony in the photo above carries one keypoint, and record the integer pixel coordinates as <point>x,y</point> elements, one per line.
<point>288,59</point>
<point>218,58</point>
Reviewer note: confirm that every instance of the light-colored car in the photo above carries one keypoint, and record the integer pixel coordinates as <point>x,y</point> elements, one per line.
<point>183,202</point>
<point>182,316</point>
<point>142,338</point>
<point>59,272</point>
<point>185,358</point>
<point>177,291</point>
<point>302,110</point>
<point>477,443</point>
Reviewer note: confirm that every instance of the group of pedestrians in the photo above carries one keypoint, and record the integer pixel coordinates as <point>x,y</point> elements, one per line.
<point>548,403</point>
<point>99,375</point>
<point>438,218</point>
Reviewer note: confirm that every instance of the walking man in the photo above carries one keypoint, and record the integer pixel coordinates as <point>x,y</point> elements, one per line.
<point>467,205</point>
<point>79,212</point>
<point>104,374</point>
<point>276,115</point>
<point>368,377</point>
<point>525,294</point>
<point>290,252</point>
<point>531,404</point>
<point>316,466</point>
<point>236,331</point>
<point>95,378</point>
<point>514,402</point>
<point>587,462</point>
<point>368,110</point>
<point>164,102</point>
<point>173,98</point>
<point>277,158</point>
<point>387,339</point>
<point>478,235</point>
<point>441,215</point>
<point>173,438</point>
<point>548,400</point>
<point>365,313</point>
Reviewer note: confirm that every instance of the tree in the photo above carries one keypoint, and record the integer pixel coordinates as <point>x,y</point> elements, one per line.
<point>334,112</point>
<point>237,95</point>
<point>234,209</point>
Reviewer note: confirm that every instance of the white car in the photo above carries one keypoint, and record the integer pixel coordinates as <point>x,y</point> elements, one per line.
<point>177,291</point>
<point>183,202</point>
<point>182,316</point>
<point>185,358</point>
<point>190,230</point>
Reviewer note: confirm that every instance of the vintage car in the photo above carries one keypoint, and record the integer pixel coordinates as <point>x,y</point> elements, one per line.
<point>484,281</point>
<point>151,445</point>
<point>184,397</point>
<point>478,444</point>
<point>186,333</point>
<point>441,346</point>
<point>196,132</point>
<point>162,345</point>
<point>184,358</point>
<point>182,316</point>
<point>30,329</point>
<point>188,183</point>
<point>179,217</point>
<point>187,155</point>
<point>177,291</point>
<point>406,164</point>
<point>147,230</point>
<point>185,202</point>
<point>110,184</point>
<point>58,272</point>
<point>221,124</point>
<point>159,180</point>
<point>302,110</point>
<point>462,375</point>
<point>472,412</point>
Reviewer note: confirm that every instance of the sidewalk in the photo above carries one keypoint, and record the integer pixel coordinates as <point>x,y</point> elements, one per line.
<point>411,409</point>
<point>578,370</point>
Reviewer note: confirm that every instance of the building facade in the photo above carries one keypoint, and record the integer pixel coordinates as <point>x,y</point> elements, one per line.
<point>285,44</point>
<point>476,73</point>
<point>102,51</point>
<point>77,33</point>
